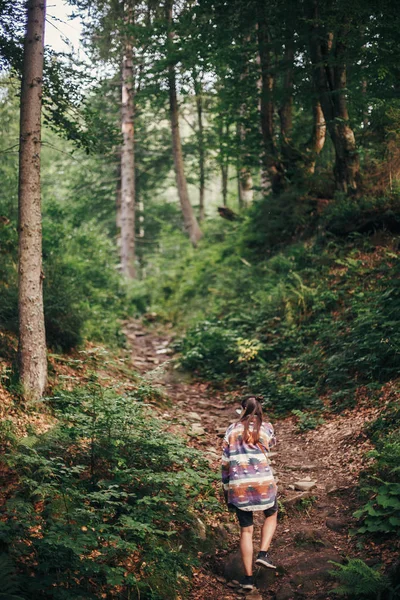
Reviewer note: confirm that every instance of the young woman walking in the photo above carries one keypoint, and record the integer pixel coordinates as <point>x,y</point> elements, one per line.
<point>248,482</point>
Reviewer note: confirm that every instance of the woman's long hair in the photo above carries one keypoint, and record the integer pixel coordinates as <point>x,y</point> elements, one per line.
<point>252,415</point>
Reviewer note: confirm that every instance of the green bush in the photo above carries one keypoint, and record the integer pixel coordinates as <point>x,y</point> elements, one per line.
<point>210,350</point>
<point>358,580</point>
<point>83,294</point>
<point>106,503</point>
<point>381,513</point>
<point>306,421</point>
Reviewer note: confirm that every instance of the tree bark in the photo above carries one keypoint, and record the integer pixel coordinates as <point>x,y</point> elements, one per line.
<point>224,182</point>
<point>202,177</point>
<point>286,109</point>
<point>246,192</point>
<point>317,140</point>
<point>32,338</point>
<point>223,159</point>
<point>329,69</point>
<point>127,218</point>
<point>271,163</point>
<point>189,218</point>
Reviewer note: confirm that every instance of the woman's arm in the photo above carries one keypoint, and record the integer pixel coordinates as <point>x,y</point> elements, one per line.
<point>267,436</point>
<point>225,469</point>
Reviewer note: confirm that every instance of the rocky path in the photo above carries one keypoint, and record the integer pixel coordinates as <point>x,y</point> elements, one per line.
<point>316,475</point>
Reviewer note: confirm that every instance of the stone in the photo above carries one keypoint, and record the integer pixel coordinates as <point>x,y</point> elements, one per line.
<point>221,431</point>
<point>310,537</point>
<point>287,502</point>
<point>201,529</point>
<point>193,416</point>
<point>221,579</point>
<point>285,593</point>
<point>233,568</point>
<point>315,567</point>
<point>254,595</point>
<point>304,486</point>
<point>265,578</point>
<point>336,524</point>
<point>291,487</point>
<point>302,467</point>
<point>336,488</point>
<point>197,429</point>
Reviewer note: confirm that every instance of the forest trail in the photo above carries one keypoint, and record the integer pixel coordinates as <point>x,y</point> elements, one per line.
<point>316,473</point>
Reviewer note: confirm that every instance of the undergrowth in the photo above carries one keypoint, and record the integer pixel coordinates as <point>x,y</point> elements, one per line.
<point>359,581</point>
<point>106,503</point>
<point>297,323</point>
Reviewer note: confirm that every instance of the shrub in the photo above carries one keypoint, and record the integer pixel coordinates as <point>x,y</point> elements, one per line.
<point>106,503</point>
<point>381,513</point>
<point>210,349</point>
<point>306,421</point>
<point>358,580</point>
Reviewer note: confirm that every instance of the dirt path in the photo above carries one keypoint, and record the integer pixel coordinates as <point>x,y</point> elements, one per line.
<point>314,525</point>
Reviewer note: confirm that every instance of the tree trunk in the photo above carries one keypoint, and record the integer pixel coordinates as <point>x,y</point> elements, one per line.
<point>202,177</point>
<point>329,69</point>
<point>32,339</point>
<point>189,218</point>
<point>286,109</point>
<point>271,164</point>
<point>245,187</point>
<point>317,140</point>
<point>224,164</point>
<point>127,218</point>
<point>245,177</point>
<point>224,181</point>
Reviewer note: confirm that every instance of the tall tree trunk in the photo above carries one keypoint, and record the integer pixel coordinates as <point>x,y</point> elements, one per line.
<point>271,163</point>
<point>224,164</point>
<point>286,109</point>
<point>246,193</point>
<point>317,139</point>
<point>32,339</point>
<point>245,181</point>
<point>328,58</point>
<point>224,182</point>
<point>127,218</point>
<point>189,218</point>
<point>200,136</point>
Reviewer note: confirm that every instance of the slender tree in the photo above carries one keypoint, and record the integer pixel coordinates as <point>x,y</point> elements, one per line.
<point>189,218</point>
<point>127,213</point>
<point>201,143</point>
<point>32,339</point>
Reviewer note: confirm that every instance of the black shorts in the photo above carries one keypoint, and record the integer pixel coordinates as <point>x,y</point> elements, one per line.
<point>246,516</point>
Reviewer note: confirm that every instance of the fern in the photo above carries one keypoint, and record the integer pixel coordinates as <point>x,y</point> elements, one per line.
<point>358,580</point>
<point>8,579</point>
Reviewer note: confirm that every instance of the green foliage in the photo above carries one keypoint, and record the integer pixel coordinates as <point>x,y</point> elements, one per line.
<point>358,580</point>
<point>306,421</point>
<point>106,503</point>
<point>8,437</point>
<point>306,504</point>
<point>381,513</point>
<point>210,350</point>
<point>9,580</point>
<point>315,318</point>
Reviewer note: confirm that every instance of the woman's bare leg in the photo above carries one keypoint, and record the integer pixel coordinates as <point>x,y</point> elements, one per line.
<point>267,531</point>
<point>246,548</point>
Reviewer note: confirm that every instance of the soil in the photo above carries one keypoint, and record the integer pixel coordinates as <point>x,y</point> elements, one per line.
<point>315,525</point>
